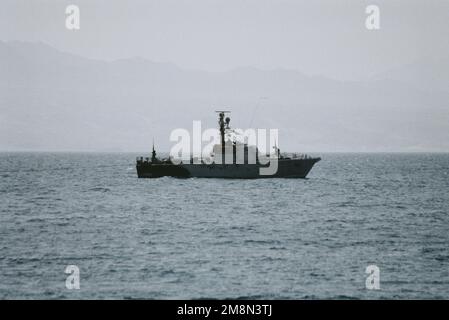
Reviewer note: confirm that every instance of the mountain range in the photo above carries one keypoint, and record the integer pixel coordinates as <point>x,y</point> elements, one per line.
<point>56,101</point>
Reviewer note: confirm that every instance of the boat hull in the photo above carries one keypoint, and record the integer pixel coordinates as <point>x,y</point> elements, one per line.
<point>287,168</point>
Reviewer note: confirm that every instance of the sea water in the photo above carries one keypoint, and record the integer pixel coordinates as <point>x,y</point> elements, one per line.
<point>192,238</point>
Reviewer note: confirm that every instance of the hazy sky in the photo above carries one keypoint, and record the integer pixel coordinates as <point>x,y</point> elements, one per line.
<point>315,37</point>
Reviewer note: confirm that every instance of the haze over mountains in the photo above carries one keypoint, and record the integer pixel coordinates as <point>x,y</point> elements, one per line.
<point>56,101</point>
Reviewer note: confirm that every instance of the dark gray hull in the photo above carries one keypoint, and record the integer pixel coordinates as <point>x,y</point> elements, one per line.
<point>287,168</point>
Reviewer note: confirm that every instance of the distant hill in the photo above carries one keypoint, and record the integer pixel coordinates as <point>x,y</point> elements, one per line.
<point>425,74</point>
<point>52,100</point>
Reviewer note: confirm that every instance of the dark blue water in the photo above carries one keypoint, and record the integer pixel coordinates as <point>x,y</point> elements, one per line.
<point>208,238</point>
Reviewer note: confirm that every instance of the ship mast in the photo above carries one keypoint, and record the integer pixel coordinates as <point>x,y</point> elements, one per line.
<point>153,154</point>
<point>223,127</point>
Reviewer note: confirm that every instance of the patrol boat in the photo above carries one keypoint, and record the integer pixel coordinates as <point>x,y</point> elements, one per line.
<point>242,165</point>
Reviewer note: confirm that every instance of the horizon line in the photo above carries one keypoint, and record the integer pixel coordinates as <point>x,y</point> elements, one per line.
<point>149,151</point>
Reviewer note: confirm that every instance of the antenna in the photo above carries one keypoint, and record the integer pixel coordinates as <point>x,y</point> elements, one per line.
<point>278,151</point>
<point>223,127</point>
<point>153,154</point>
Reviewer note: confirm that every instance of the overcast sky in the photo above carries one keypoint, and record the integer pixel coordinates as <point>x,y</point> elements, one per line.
<point>316,37</point>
